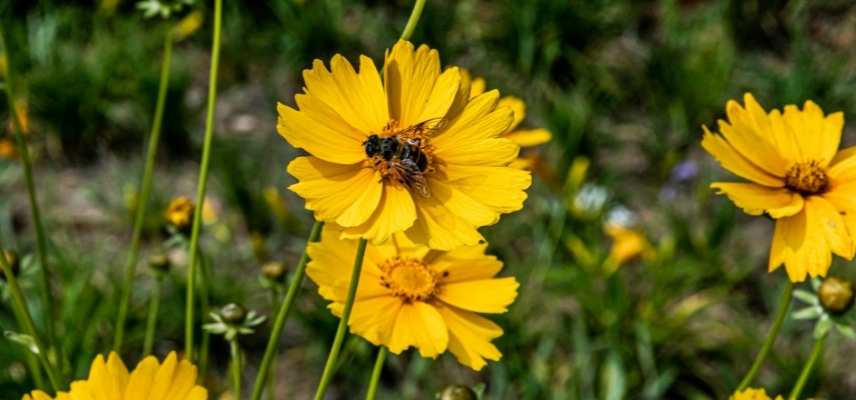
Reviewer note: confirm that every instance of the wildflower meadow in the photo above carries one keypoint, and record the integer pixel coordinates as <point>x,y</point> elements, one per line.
<point>451,200</point>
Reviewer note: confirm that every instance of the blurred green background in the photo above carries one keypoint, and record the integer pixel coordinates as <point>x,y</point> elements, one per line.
<point>624,85</point>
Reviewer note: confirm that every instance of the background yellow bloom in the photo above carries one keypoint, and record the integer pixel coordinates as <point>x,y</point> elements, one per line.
<point>172,379</point>
<point>797,176</point>
<point>753,394</point>
<point>411,296</point>
<point>464,182</point>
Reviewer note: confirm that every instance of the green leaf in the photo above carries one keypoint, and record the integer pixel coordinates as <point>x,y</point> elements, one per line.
<point>807,313</point>
<point>822,327</point>
<point>613,379</point>
<point>805,296</point>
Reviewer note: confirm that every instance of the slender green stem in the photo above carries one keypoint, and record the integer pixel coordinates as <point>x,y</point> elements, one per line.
<point>235,351</point>
<point>378,366</point>
<point>204,302</point>
<point>26,323</point>
<point>413,20</point>
<point>33,366</point>
<point>330,367</point>
<point>275,300</point>
<point>145,192</point>
<point>152,320</point>
<point>816,353</point>
<point>203,180</point>
<point>282,315</point>
<point>26,162</point>
<point>781,313</point>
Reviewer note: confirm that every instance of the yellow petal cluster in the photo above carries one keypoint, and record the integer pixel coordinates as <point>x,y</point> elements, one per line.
<point>150,380</point>
<point>411,296</point>
<point>796,175</point>
<point>466,181</point>
<point>753,394</point>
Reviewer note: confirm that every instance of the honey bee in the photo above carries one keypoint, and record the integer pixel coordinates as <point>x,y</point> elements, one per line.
<point>403,153</point>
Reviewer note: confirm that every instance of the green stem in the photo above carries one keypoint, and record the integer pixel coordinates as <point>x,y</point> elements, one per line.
<point>152,320</point>
<point>329,368</point>
<point>203,180</point>
<point>816,353</point>
<point>204,300</point>
<point>282,315</point>
<point>275,299</point>
<point>26,322</point>
<point>413,20</point>
<point>26,162</point>
<point>145,192</point>
<point>235,351</point>
<point>378,366</point>
<point>781,313</point>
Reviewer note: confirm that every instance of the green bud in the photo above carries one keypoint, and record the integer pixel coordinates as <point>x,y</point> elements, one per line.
<point>159,262</point>
<point>275,271</point>
<point>836,295</point>
<point>457,392</point>
<point>233,313</point>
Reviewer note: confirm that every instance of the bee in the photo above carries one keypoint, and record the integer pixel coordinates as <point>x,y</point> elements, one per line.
<point>403,153</point>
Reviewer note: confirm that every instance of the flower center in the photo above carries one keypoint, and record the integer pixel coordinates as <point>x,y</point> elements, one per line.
<point>807,178</point>
<point>409,279</point>
<point>402,155</point>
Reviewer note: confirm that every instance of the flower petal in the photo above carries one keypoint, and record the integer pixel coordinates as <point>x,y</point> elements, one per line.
<point>731,160</point>
<point>831,223</point>
<point>479,120</point>
<point>744,132</point>
<point>842,169</point>
<point>373,318</point>
<point>842,196</point>
<point>501,188</point>
<point>484,296</point>
<point>801,244</point>
<point>419,324</point>
<point>440,228</point>
<point>319,139</point>
<point>411,78</point>
<point>142,379</point>
<point>466,263</point>
<point>529,137</point>
<point>470,336</point>
<point>347,194</point>
<point>394,213</point>
<point>756,199</point>
<point>517,106</point>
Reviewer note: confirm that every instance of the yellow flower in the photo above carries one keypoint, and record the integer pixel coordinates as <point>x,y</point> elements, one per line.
<point>7,149</point>
<point>454,175</point>
<point>627,245</point>
<point>523,137</point>
<point>798,177</point>
<point>409,295</point>
<point>752,394</point>
<point>174,380</point>
<point>179,213</point>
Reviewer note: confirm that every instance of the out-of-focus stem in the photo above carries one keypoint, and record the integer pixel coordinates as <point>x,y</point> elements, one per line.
<point>152,320</point>
<point>375,379</point>
<point>816,352</point>
<point>413,20</point>
<point>781,313</point>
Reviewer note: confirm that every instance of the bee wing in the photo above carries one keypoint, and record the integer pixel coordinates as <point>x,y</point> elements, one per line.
<point>429,127</point>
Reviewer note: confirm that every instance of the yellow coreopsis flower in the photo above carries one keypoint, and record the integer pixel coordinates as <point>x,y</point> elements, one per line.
<point>110,379</point>
<point>627,245</point>
<point>523,137</point>
<point>412,153</point>
<point>179,213</point>
<point>411,296</point>
<point>798,177</point>
<point>752,394</point>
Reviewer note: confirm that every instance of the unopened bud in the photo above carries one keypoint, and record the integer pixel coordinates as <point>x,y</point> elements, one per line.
<point>13,261</point>
<point>457,392</point>
<point>179,214</point>
<point>159,262</point>
<point>275,271</point>
<point>233,313</point>
<point>836,295</point>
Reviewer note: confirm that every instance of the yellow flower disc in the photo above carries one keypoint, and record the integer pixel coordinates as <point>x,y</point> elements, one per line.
<point>172,380</point>
<point>410,296</point>
<point>796,175</point>
<point>411,153</point>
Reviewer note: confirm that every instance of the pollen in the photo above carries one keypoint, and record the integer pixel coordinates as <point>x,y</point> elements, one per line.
<point>807,178</point>
<point>409,279</point>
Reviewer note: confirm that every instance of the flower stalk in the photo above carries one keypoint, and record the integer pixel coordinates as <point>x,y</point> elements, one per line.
<point>415,14</point>
<point>375,378</point>
<point>282,315</point>
<point>235,351</point>
<point>27,164</point>
<point>816,353</point>
<point>145,192</point>
<point>152,320</point>
<point>781,313</point>
<point>332,358</point>
<point>203,181</point>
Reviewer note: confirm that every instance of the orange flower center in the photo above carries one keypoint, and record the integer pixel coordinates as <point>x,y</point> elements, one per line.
<point>402,155</point>
<point>807,178</point>
<point>409,279</point>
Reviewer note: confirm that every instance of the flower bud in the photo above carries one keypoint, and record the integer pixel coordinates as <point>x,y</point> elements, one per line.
<point>836,295</point>
<point>179,214</point>
<point>457,392</point>
<point>159,262</point>
<point>14,262</point>
<point>233,313</point>
<point>274,271</point>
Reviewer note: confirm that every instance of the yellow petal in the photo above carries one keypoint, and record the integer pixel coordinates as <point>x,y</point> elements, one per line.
<point>395,213</point>
<point>479,120</point>
<point>164,376</point>
<point>517,106</point>
<point>529,137</point>
<point>439,228</point>
<point>198,393</point>
<point>753,146</point>
<point>141,380</point>
<point>410,77</point>
<point>842,169</point>
<point>842,196</point>
<point>731,160</point>
<point>501,188</point>
<point>358,98</point>
<point>485,296</point>
<point>183,381</point>
<point>345,194</point>
<point>800,243</point>
<point>442,95</point>
<point>830,222</point>
<point>477,87</point>
<point>432,335</point>
<point>318,138</point>
<point>470,336</point>
<point>373,318</point>
<point>461,204</point>
<point>756,199</point>
<point>467,263</point>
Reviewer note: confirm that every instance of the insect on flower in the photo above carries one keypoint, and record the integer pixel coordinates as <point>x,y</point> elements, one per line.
<point>405,155</point>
